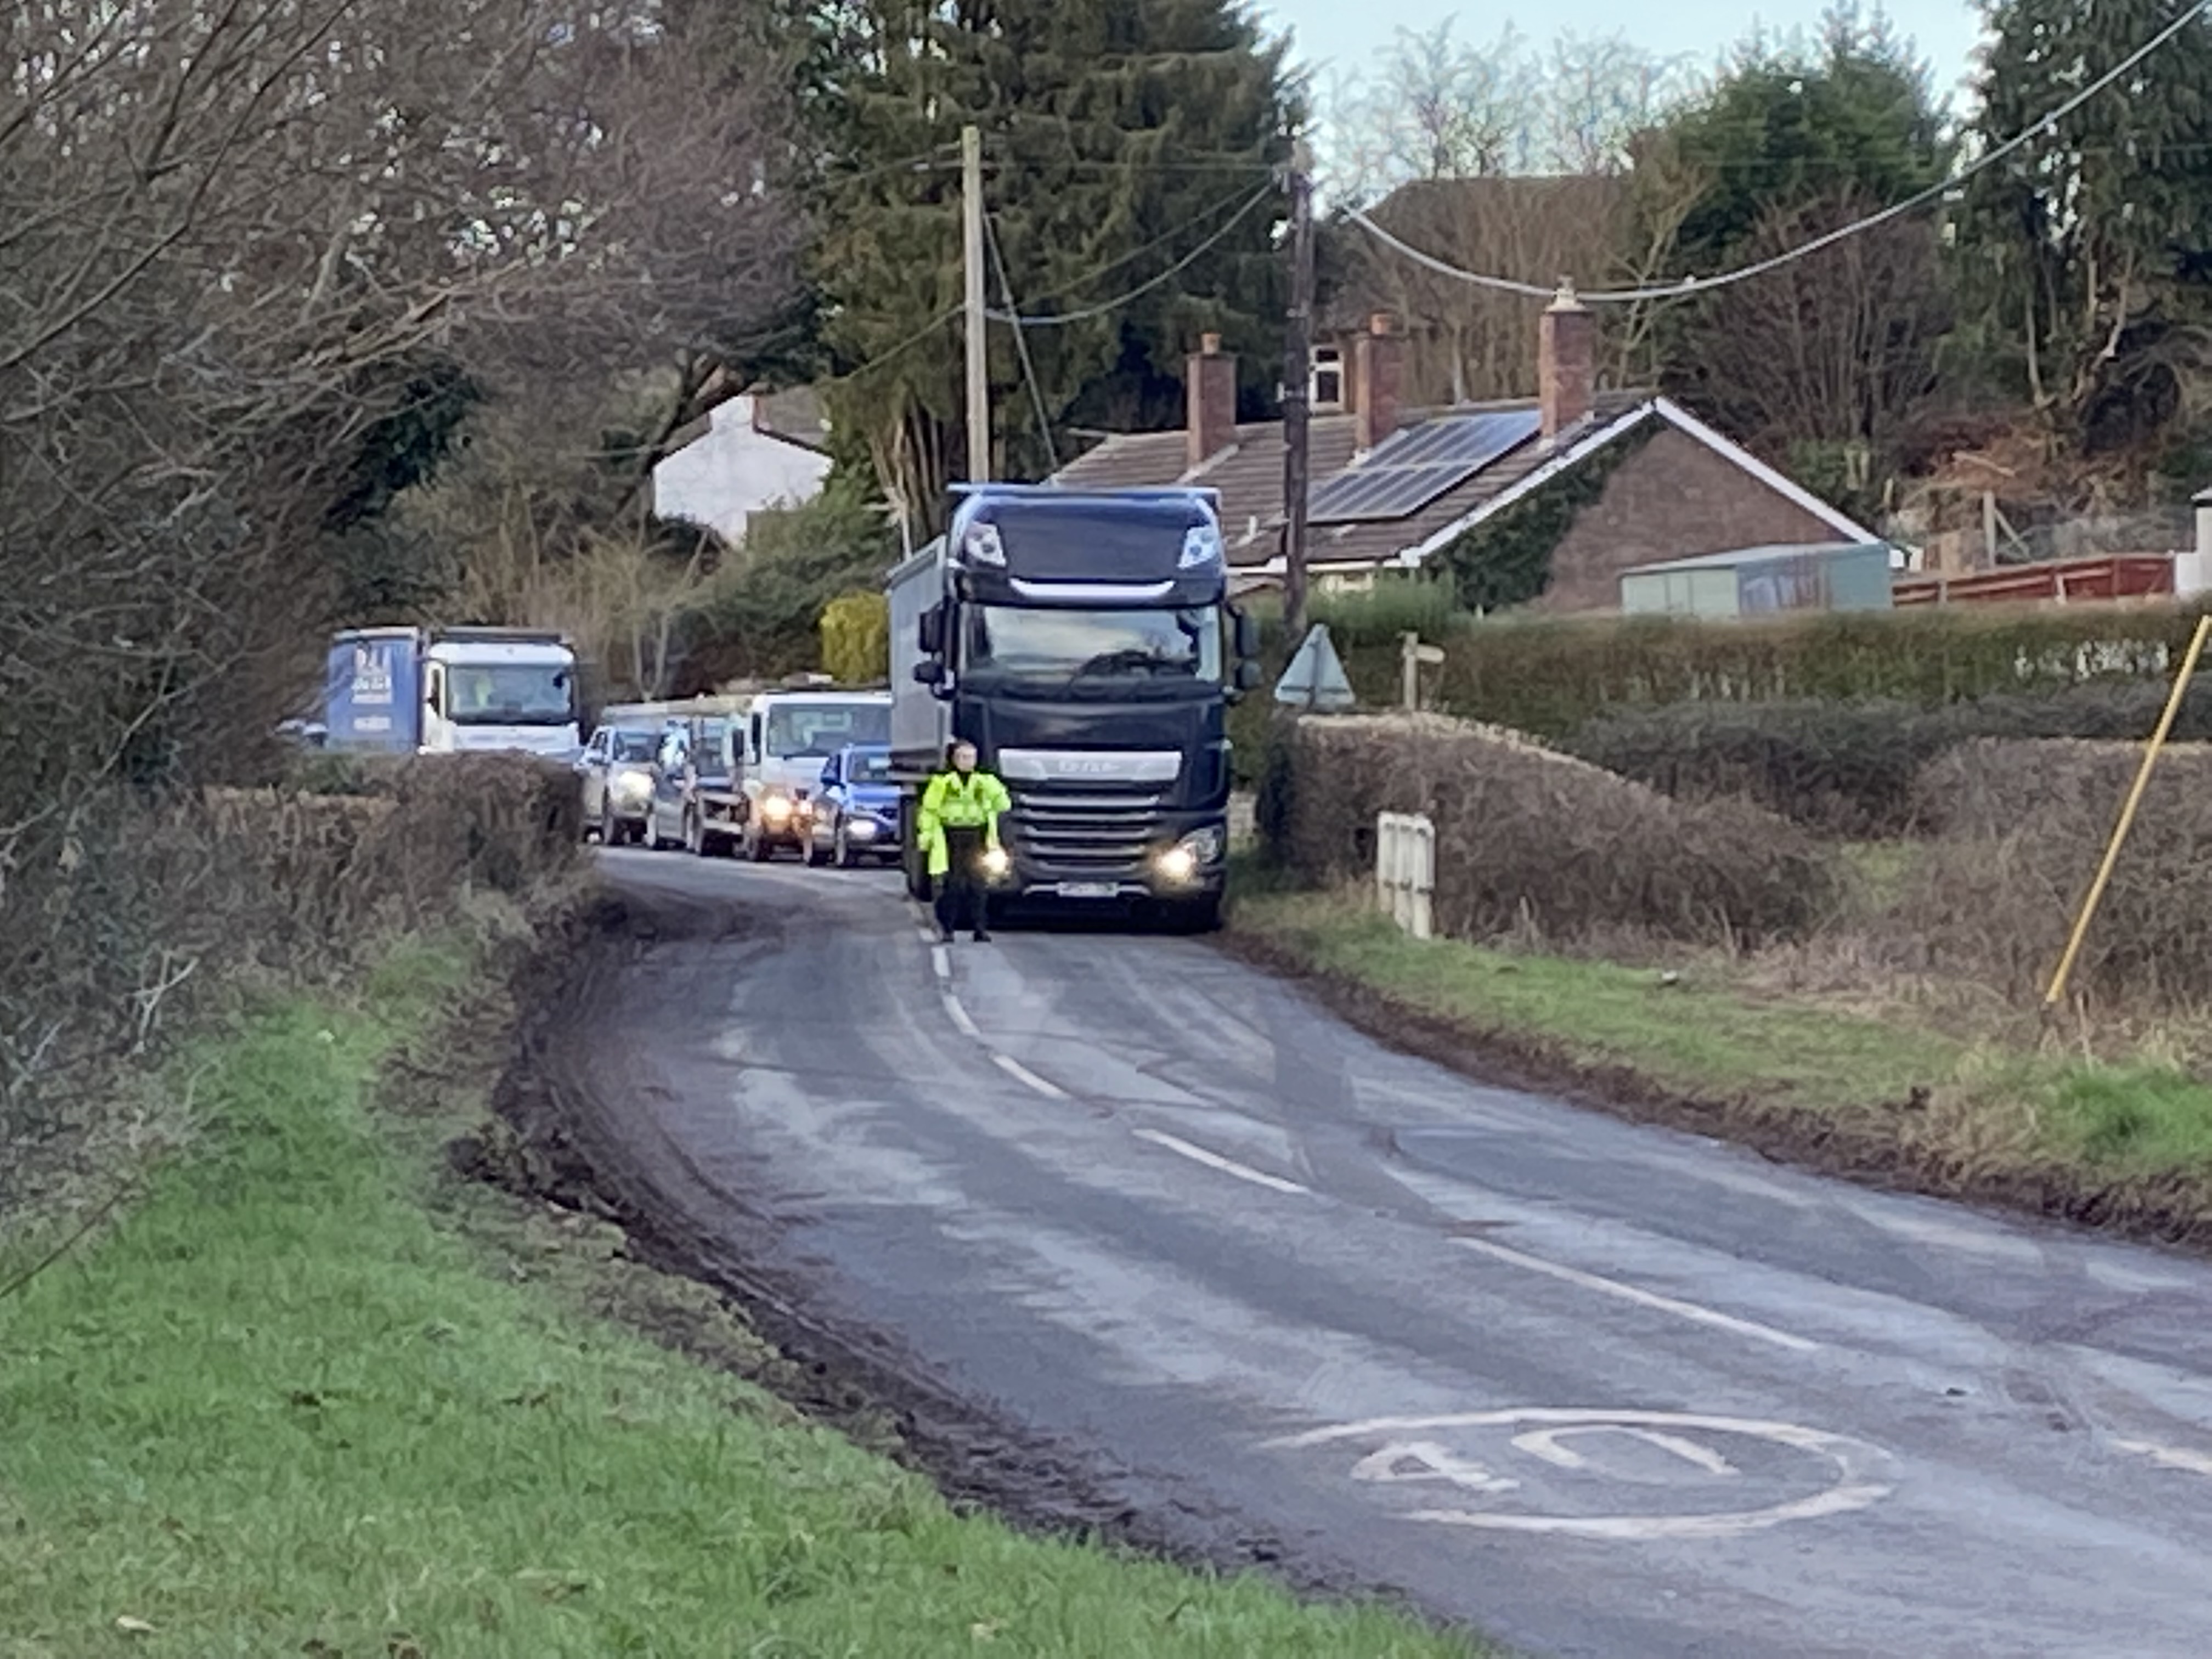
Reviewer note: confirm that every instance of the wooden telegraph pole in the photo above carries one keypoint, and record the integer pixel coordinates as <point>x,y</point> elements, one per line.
<point>1297,380</point>
<point>979,373</point>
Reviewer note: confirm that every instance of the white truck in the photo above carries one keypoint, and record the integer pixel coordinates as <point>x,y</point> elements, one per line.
<point>445,690</point>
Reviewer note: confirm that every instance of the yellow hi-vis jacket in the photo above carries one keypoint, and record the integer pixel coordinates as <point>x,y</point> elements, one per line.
<point>953,802</point>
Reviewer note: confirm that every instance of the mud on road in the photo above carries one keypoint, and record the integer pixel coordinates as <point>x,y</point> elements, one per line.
<point>558,1140</point>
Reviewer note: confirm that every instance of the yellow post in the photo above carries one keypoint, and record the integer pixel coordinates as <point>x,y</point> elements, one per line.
<point>2050,997</point>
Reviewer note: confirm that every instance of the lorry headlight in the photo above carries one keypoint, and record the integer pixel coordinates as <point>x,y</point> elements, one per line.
<point>632,785</point>
<point>1178,864</point>
<point>984,545</point>
<point>995,861</point>
<point>1204,845</point>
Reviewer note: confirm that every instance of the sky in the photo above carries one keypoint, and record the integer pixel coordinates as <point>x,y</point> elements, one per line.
<point>1343,34</point>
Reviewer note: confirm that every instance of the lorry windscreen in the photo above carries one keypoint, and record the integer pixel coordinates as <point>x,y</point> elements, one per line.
<point>510,693</point>
<point>803,730</point>
<point>1063,644</point>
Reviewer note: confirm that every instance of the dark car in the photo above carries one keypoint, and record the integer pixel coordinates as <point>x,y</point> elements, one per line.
<point>617,768</point>
<point>857,814</point>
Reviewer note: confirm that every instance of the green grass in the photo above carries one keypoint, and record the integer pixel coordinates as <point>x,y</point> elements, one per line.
<point>1686,1036</point>
<point>1705,1037</point>
<point>283,1409</point>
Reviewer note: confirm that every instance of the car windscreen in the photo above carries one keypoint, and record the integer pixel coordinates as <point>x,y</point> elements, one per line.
<point>635,747</point>
<point>797,730</point>
<point>869,769</point>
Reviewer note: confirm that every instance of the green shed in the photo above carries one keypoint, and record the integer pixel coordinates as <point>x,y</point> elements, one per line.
<point>1757,580</point>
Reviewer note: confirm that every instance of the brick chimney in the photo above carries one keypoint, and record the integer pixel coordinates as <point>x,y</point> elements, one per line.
<point>1209,400</point>
<point>1566,361</point>
<point>1377,371</point>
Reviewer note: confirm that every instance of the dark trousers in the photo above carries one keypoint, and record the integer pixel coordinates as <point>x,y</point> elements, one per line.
<point>960,889</point>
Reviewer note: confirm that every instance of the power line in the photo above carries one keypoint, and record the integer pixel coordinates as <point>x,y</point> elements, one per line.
<point>1011,314</point>
<point>1918,199</point>
<point>1022,346</point>
<point>1266,192</point>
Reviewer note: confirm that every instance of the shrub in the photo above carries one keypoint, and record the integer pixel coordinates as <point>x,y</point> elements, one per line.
<point>1528,838</point>
<point>129,912</point>
<point>1850,768</point>
<point>2025,824</point>
<point>856,637</point>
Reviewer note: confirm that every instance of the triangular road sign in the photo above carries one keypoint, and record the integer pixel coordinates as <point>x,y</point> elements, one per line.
<point>1316,677</point>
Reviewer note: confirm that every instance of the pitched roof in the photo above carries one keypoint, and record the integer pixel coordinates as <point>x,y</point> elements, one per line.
<point>1249,473</point>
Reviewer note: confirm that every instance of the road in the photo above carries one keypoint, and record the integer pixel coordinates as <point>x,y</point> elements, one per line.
<point>1593,1387</point>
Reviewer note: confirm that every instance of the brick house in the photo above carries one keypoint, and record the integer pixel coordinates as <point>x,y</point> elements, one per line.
<point>1394,490</point>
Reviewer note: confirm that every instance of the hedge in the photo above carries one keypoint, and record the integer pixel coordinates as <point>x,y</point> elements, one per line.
<point>1534,842</point>
<point>1553,675</point>
<point>1849,768</point>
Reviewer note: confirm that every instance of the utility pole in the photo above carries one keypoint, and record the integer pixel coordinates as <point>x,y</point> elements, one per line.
<point>1297,380</point>
<point>979,363</point>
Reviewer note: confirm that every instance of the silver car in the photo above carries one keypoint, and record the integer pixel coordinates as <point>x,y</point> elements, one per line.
<point>616,767</point>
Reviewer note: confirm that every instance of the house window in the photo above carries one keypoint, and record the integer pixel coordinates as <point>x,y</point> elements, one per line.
<point>1336,583</point>
<point>1325,389</point>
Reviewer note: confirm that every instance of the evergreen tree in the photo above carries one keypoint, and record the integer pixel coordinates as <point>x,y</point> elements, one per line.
<point>1120,136</point>
<point>2090,247</point>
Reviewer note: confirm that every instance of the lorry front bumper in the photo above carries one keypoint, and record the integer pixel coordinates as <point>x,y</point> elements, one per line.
<point>1175,862</point>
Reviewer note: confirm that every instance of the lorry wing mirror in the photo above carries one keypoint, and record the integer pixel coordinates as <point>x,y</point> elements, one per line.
<point>1247,631</point>
<point>932,631</point>
<point>929,673</point>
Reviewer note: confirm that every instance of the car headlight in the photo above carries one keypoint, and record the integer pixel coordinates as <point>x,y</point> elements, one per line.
<point>776,808</point>
<point>860,828</point>
<point>630,784</point>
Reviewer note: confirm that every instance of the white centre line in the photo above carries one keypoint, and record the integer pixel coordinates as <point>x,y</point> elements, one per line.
<point>1641,1299</point>
<point>2167,1457</point>
<point>1021,1073</point>
<point>958,1015</point>
<point>1215,1161</point>
<point>940,962</point>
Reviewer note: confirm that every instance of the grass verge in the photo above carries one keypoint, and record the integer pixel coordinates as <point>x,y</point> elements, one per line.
<point>1873,1096</point>
<point>286,1405</point>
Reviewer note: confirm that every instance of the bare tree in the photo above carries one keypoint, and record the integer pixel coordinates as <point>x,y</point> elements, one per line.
<point>1838,349</point>
<point>229,229</point>
<point>1468,343</point>
<point>1434,107</point>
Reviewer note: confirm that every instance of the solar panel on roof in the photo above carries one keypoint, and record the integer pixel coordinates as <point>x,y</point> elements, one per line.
<point>1410,469</point>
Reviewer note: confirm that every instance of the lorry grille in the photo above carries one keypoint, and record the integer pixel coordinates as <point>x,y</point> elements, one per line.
<point>1092,833</point>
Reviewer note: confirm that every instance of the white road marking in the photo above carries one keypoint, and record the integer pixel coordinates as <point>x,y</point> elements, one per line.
<point>2167,1457</point>
<point>1642,1298</point>
<point>1215,1161</point>
<point>958,1015</point>
<point>1430,1462</point>
<point>1545,1444</point>
<point>1851,1460</point>
<point>1021,1073</point>
<point>940,962</point>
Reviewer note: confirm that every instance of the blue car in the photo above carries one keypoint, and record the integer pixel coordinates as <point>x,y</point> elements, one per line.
<point>857,813</point>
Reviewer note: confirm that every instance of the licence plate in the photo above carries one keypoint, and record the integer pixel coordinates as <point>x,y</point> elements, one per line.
<point>1099,889</point>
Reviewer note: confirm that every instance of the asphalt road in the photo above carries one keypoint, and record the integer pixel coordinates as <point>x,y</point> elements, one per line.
<point>1596,1388</point>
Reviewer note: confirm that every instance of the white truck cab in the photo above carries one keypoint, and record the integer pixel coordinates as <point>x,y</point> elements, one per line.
<point>784,739</point>
<point>490,693</point>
